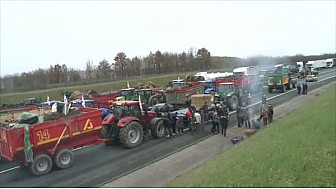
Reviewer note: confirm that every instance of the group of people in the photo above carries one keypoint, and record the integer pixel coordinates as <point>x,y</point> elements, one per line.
<point>194,120</point>
<point>304,88</point>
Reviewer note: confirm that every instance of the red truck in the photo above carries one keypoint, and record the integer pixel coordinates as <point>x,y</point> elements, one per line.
<point>52,141</point>
<point>103,100</point>
<point>181,97</point>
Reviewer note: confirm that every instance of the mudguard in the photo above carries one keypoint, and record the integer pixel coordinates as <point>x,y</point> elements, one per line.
<point>208,90</point>
<point>217,95</point>
<point>109,120</point>
<point>125,120</point>
<point>229,94</point>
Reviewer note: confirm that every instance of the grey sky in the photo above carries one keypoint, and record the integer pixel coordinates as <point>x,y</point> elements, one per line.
<point>37,34</point>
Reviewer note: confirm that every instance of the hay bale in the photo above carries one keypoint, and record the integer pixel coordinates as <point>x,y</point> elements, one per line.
<point>78,95</point>
<point>93,94</point>
<point>249,132</point>
<point>198,100</point>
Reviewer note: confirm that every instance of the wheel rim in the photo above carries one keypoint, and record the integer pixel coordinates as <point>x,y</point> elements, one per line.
<point>65,158</point>
<point>234,102</point>
<point>42,165</point>
<point>133,135</point>
<point>160,128</point>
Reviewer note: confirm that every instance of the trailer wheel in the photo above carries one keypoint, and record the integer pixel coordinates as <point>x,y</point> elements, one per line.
<point>41,165</point>
<point>131,135</point>
<point>64,158</point>
<point>159,130</point>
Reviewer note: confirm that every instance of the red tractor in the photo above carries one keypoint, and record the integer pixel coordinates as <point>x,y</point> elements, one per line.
<point>128,124</point>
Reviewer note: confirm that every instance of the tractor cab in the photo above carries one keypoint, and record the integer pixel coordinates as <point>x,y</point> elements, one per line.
<point>126,109</point>
<point>126,94</point>
<point>209,86</point>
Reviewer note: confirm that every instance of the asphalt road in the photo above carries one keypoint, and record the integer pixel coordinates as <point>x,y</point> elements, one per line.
<point>96,165</point>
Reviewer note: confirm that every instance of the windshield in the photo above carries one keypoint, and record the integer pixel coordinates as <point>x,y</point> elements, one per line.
<point>126,92</point>
<point>225,88</point>
<point>121,111</point>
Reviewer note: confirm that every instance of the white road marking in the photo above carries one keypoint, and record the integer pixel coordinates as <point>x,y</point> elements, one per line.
<point>9,169</point>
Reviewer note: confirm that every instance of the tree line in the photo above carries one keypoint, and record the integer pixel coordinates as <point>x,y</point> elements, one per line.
<point>121,67</point>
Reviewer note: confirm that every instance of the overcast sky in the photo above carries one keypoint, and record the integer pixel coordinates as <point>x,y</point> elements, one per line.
<point>37,34</point>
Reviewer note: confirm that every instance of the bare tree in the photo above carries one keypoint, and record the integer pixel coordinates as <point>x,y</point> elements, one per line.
<point>89,70</point>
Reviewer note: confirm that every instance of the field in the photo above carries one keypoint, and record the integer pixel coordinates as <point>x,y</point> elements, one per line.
<point>297,151</point>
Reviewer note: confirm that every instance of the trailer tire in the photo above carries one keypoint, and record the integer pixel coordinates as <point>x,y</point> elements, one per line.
<point>64,158</point>
<point>131,135</point>
<point>41,165</point>
<point>233,102</point>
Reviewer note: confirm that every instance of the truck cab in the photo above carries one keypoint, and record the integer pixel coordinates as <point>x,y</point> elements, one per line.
<point>126,94</point>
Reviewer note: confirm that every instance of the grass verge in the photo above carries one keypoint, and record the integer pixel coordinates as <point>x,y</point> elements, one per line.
<point>298,151</point>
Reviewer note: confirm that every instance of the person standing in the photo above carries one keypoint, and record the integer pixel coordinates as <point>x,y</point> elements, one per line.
<point>215,123</point>
<point>265,116</point>
<point>157,112</point>
<point>168,126</point>
<point>191,123</point>
<point>306,88</point>
<point>298,88</point>
<point>223,118</point>
<point>206,111</point>
<point>180,124</point>
<point>173,121</point>
<point>239,114</point>
<point>246,117</point>
<point>198,124</point>
<point>303,88</point>
<point>270,113</point>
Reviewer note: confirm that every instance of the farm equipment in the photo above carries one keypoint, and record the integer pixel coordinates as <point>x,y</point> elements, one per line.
<point>41,144</point>
<point>128,124</point>
<point>150,97</point>
<point>180,95</point>
<point>232,95</point>
<point>126,94</point>
<point>280,81</point>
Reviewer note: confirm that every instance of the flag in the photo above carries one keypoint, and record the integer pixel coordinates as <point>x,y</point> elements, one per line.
<point>65,99</point>
<point>83,101</point>
<point>140,102</point>
<point>48,101</point>
<point>128,84</point>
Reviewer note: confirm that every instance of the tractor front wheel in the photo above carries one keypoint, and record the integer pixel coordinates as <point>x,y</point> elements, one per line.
<point>233,102</point>
<point>158,130</point>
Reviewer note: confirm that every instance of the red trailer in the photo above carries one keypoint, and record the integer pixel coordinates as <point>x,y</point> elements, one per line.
<point>52,141</point>
<point>103,100</point>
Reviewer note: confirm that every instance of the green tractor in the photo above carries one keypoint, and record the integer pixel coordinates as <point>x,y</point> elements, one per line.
<point>232,95</point>
<point>147,96</point>
<point>126,94</point>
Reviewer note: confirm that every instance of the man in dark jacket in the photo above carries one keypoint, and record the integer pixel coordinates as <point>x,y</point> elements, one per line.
<point>223,115</point>
<point>173,122</point>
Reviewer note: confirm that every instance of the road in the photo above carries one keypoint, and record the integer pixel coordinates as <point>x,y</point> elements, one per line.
<point>96,165</point>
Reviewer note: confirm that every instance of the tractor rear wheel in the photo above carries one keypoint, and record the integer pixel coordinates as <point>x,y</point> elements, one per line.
<point>41,165</point>
<point>131,135</point>
<point>158,130</point>
<point>233,102</point>
<point>64,158</point>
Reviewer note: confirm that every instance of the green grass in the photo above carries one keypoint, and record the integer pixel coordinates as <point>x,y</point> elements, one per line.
<point>296,151</point>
